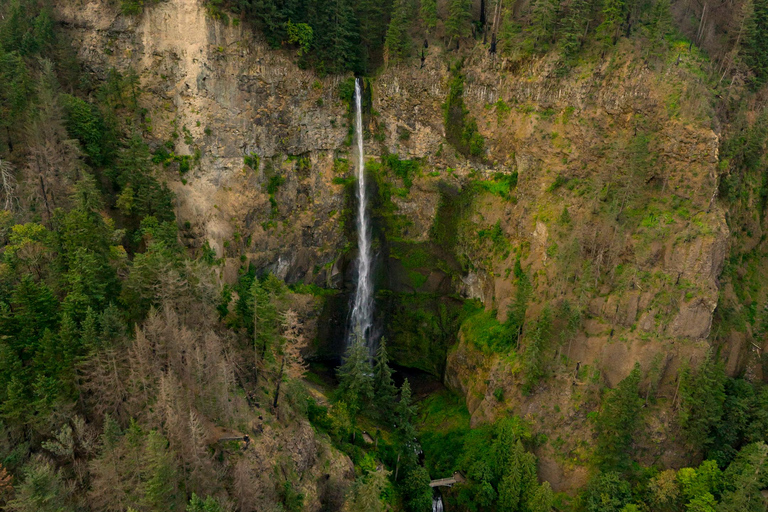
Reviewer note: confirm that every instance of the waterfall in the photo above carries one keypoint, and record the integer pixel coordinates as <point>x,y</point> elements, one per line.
<point>362,310</point>
<point>437,501</point>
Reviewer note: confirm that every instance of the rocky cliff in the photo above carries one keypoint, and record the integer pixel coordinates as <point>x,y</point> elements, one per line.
<point>599,184</point>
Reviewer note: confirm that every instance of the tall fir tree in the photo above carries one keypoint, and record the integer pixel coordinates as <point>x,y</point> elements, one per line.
<point>617,423</point>
<point>397,45</point>
<point>383,386</point>
<point>756,41</point>
<point>355,382</point>
<point>428,13</point>
<point>459,22</point>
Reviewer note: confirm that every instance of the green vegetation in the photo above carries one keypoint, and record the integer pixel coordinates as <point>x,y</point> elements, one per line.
<point>460,128</point>
<point>397,43</point>
<point>756,41</point>
<point>500,472</point>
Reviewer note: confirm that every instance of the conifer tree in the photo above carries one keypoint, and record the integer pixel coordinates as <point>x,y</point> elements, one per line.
<point>459,20</point>
<point>265,320</point>
<point>756,41</point>
<point>355,383</point>
<point>574,27</point>
<point>336,41</point>
<point>617,422</point>
<point>397,44</point>
<point>613,16</point>
<point>702,397</point>
<point>405,431</point>
<point>383,386</point>
<point>428,12</point>
<point>544,17</point>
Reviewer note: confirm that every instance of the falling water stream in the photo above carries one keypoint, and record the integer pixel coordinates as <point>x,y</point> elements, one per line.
<point>362,311</point>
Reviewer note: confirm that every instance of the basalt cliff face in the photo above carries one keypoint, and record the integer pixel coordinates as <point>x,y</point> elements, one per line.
<point>599,185</point>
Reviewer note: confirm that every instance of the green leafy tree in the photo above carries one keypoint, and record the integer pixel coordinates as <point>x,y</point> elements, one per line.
<point>613,16</point>
<point>301,35</point>
<point>336,46</point>
<point>544,19</point>
<point>575,23</point>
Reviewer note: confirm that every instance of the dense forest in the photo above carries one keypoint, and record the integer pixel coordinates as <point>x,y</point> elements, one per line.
<point>121,349</point>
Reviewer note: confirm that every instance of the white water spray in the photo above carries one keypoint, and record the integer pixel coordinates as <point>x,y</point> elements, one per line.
<point>362,310</point>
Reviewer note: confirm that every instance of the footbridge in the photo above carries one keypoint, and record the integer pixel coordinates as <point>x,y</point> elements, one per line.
<point>456,478</point>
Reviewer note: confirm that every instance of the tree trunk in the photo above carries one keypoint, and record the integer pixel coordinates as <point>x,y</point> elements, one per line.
<point>277,385</point>
<point>45,197</point>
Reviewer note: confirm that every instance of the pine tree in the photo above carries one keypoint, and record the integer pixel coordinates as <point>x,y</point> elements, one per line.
<point>355,382</point>
<point>458,24</point>
<point>544,18</point>
<point>428,12</point>
<point>659,27</point>
<point>366,493</point>
<point>702,397</point>
<point>745,479</point>
<point>613,17</point>
<point>405,430</point>
<point>336,41</point>
<point>397,44</point>
<point>265,321</point>
<point>617,423</point>
<point>756,41</point>
<point>417,495</point>
<point>383,386</point>
<point>576,20</point>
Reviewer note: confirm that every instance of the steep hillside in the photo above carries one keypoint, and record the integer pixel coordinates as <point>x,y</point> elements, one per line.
<point>602,184</point>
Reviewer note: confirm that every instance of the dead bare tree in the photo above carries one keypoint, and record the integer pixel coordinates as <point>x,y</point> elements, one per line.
<point>7,185</point>
<point>291,361</point>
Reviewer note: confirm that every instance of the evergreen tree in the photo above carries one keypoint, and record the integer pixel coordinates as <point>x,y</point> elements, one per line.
<point>459,22</point>
<point>544,18</point>
<point>265,320</point>
<point>366,493</point>
<point>336,41</point>
<point>372,19</point>
<point>428,12</point>
<point>745,480</point>
<point>133,173</point>
<point>613,17</point>
<point>397,44</point>
<point>606,492</point>
<point>756,41</point>
<point>417,495</point>
<point>355,382</point>
<point>574,27</point>
<point>702,397</point>
<point>518,308</point>
<point>43,489</point>
<point>659,26</point>
<point>405,430</point>
<point>617,423</point>
<point>383,386</point>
